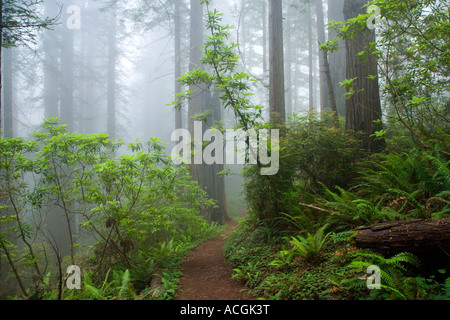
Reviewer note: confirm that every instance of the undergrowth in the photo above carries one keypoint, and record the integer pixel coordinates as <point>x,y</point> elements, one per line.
<point>268,262</point>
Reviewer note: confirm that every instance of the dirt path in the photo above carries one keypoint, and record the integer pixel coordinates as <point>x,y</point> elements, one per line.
<point>206,274</point>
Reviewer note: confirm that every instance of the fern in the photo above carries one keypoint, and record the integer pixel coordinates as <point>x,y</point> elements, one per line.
<point>310,248</point>
<point>125,283</point>
<point>393,270</point>
<point>442,170</point>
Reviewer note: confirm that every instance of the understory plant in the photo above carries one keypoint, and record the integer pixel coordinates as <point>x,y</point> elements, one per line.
<point>70,199</point>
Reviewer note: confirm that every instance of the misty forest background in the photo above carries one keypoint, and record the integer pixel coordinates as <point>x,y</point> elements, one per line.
<point>361,99</point>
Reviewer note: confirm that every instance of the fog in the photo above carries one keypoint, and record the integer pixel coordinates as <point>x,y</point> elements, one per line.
<point>71,62</point>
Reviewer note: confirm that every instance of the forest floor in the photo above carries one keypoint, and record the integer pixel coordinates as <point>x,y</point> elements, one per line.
<point>207,275</point>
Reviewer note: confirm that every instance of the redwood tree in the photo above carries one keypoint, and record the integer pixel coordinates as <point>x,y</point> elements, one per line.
<point>277,88</point>
<point>363,107</point>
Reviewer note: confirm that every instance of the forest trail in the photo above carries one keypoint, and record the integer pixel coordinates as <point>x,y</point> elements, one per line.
<point>207,275</point>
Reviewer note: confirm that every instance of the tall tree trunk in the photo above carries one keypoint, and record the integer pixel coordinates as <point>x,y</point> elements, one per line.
<point>196,102</point>
<point>331,90</point>
<point>51,68</point>
<point>206,175</point>
<point>277,86</point>
<point>215,182</point>
<point>288,64</point>
<point>337,59</point>
<point>1,49</point>
<point>264,22</point>
<point>364,107</point>
<point>89,87</point>
<point>312,108</point>
<point>112,58</point>
<point>178,89</point>
<point>321,39</point>
<point>8,112</point>
<point>67,70</point>
<point>196,39</point>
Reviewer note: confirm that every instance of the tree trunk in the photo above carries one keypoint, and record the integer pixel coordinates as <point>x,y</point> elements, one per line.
<point>321,39</point>
<point>196,101</point>
<point>112,57</point>
<point>331,90</point>
<point>51,68</point>
<point>312,108</point>
<point>178,67</point>
<point>421,237</point>
<point>67,72</point>
<point>1,49</point>
<point>8,112</point>
<point>264,38</point>
<point>214,182</point>
<point>277,89</point>
<point>89,112</point>
<point>364,107</point>
<point>288,65</point>
<point>337,60</point>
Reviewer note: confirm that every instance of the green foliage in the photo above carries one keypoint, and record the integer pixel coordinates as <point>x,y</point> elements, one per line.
<point>310,248</point>
<point>141,209</point>
<point>312,152</point>
<point>397,281</point>
<point>415,184</point>
<point>20,22</point>
<point>413,63</point>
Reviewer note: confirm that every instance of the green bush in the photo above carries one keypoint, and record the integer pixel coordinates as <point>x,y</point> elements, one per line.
<point>131,213</point>
<point>311,153</point>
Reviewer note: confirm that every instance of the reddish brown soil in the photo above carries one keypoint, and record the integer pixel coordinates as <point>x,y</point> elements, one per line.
<point>207,275</point>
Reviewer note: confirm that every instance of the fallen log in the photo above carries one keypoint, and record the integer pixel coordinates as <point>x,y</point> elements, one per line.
<point>420,237</point>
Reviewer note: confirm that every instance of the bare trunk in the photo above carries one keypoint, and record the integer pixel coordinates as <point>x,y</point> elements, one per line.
<point>288,66</point>
<point>310,61</point>
<point>51,69</point>
<point>1,49</point>
<point>112,57</point>
<point>331,91</point>
<point>321,39</point>
<point>67,70</point>
<point>337,59</point>
<point>264,20</point>
<point>364,107</point>
<point>8,112</point>
<point>178,89</point>
<point>277,89</point>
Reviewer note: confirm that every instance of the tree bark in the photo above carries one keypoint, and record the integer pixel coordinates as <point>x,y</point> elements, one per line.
<point>331,90</point>
<point>8,108</point>
<point>421,237</point>
<point>67,73</point>
<point>321,39</point>
<point>178,67</point>
<point>364,107</point>
<point>312,108</point>
<point>264,38</point>
<point>112,58</point>
<point>1,49</point>
<point>277,89</point>
<point>337,60</point>
<point>196,101</point>
<point>51,69</point>
<point>288,65</point>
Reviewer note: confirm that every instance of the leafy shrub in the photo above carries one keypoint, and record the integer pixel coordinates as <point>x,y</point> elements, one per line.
<point>64,192</point>
<point>311,153</point>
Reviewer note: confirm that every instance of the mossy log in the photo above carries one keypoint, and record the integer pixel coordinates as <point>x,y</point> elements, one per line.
<point>420,237</point>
